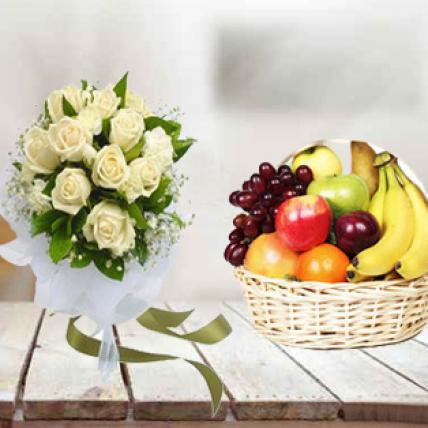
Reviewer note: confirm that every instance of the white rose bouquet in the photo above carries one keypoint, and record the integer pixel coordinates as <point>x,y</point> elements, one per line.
<point>94,180</point>
<point>97,178</point>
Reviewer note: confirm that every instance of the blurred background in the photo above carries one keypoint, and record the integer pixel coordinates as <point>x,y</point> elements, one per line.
<point>255,79</point>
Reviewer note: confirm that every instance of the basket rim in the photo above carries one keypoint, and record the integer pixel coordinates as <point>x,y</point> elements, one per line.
<point>281,283</point>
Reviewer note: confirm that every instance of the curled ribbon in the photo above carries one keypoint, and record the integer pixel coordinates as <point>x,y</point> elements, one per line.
<point>162,321</point>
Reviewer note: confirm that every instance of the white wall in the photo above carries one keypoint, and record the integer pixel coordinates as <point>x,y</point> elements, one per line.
<point>256,79</point>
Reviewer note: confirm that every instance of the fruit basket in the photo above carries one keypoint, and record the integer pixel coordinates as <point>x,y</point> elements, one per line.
<point>335,315</point>
<point>337,260</point>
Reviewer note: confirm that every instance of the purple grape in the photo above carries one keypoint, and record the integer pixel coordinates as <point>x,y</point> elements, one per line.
<point>290,193</point>
<point>237,254</point>
<point>267,200</point>
<point>267,171</point>
<point>273,211</point>
<point>233,198</point>
<point>237,235</point>
<point>283,168</point>
<point>276,186</point>
<point>259,212</point>
<point>239,220</point>
<point>246,199</point>
<point>257,183</point>
<point>288,179</point>
<point>228,250</point>
<point>251,227</point>
<point>300,189</point>
<point>247,185</point>
<point>304,174</point>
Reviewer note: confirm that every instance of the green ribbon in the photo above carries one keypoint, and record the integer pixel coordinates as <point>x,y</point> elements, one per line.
<point>162,321</point>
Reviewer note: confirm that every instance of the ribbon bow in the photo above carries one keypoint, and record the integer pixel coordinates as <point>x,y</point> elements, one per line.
<point>162,321</point>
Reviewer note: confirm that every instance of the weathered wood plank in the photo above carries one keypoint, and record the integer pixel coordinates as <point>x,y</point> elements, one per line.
<point>423,336</point>
<point>262,381</point>
<point>409,358</point>
<point>18,324</point>
<point>64,384</point>
<point>208,424</point>
<point>368,389</point>
<point>168,390</point>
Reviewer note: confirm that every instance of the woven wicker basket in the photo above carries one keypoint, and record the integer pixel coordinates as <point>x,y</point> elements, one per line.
<point>341,315</point>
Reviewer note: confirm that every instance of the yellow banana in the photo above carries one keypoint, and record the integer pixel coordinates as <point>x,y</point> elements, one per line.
<point>378,199</point>
<point>383,159</point>
<point>414,262</point>
<point>398,220</point>
<point>352,275</point>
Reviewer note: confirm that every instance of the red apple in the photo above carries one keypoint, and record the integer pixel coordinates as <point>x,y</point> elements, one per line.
<point>303,222</point>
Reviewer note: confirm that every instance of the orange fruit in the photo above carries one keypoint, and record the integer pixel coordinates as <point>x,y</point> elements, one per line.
<point>324,263</point>
<point>268,256</point>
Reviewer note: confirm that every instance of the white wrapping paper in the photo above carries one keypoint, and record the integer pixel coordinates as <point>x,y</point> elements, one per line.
<point>85,291</point>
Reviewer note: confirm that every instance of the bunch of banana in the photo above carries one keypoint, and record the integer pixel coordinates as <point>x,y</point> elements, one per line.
<point>414,262</point>
<point>397,217</point>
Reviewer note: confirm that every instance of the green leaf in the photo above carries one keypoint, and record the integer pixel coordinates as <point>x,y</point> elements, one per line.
<point>84,84</point>
<point>68,225</point>
<point>82,257</point>
<point>58,223</point>
<point>43,222</point>
<point>181,147</point>
<point>50,184</point>
<point>79,220</point>
<point>17,165</point>
<point>60,244</point>
<point>47,115</point>
<point>96,145</point>
<point>113,268</point>
<point>159,199</point>
<point>106,128</point>
<point>171,127</point>
<point>67,108</point>
<point>112,195</point>
<point>133,153</point>
<point>136,213</point>
<point>141,250</point>
<point>120,89</point>
<point>91,246</point>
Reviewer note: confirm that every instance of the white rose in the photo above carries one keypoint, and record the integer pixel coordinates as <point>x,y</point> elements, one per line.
<point>71,191</point>
<point>126,128</point>
<point>158,147</point>
<point>68,138</point>
<point>41,158</point>
<point>133,101</point>
<point>106,101</point>
<point>110,169</point>
<point>144,179</point>
<point>89,155</point>
<point>110,227</point>
<point>91,119</point>
<point>39,202</point>
<point>75,96</point>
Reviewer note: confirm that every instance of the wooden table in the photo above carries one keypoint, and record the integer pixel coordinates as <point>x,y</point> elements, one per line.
<point>42,378</point>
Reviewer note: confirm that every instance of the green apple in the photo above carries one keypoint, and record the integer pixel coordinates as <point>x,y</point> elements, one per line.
<point>323,161</point>
<point>345,194</point>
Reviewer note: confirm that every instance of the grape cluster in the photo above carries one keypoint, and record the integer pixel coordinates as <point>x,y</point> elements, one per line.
<point>261,197</point>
